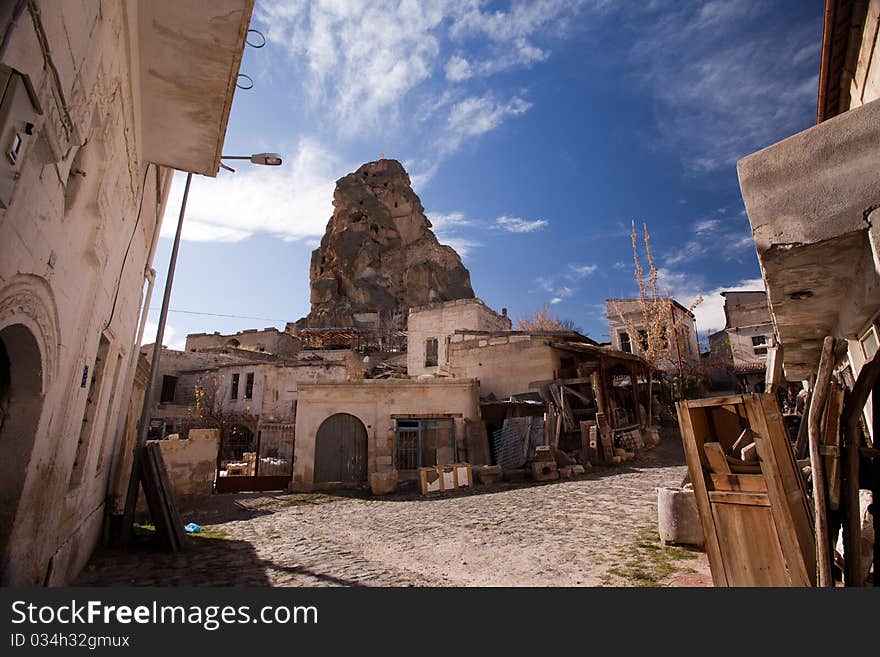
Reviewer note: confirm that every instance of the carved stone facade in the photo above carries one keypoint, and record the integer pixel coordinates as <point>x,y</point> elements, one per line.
<point>80,211</point>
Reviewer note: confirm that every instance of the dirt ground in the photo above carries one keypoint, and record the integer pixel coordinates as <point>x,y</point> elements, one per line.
<point>597,530</point>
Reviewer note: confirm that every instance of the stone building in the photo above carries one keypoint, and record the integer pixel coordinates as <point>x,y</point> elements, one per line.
<point>101,101</point>
<point>346,431</point>
<point>744,340</point>
<point>683,354</point>
<point>431,330</point>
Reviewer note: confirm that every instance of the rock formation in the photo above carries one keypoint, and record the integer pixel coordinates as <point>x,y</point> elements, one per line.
<point>378,256</point>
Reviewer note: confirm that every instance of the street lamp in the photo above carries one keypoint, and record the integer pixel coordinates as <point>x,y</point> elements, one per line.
<point>265,159</point>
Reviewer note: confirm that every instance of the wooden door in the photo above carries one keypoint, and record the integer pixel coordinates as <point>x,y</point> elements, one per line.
<point>341,450</point>
<point>755,516</point>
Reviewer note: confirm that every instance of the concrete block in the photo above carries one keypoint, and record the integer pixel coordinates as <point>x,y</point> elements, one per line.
<point>489,474</point>
<point>514,475</point>
<point>677,518</point>
<point>544,453</point>
<point>383,483</point>
<point>545,470</point>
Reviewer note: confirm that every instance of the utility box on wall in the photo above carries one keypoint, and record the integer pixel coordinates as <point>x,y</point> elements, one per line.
<point>19,115</point>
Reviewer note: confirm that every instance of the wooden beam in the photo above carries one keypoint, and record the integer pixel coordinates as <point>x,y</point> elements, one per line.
<point>773,373</point>
<point>814,428</point>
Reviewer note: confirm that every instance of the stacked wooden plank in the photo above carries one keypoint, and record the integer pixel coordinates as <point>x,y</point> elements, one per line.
<point>160,498</point>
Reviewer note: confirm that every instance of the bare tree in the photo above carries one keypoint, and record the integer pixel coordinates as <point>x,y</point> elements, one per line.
<point>209,411</point>
<point>657,315</point>
<point>544,320</point>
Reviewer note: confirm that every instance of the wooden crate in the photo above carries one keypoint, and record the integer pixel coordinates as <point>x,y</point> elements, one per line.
<point>756,519</point>
<point>444,478</point>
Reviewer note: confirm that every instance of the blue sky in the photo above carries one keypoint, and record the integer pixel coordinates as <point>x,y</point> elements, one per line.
<point>534,132</point>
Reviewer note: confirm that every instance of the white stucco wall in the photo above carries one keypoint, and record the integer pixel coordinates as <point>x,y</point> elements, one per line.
<point>440,321</point>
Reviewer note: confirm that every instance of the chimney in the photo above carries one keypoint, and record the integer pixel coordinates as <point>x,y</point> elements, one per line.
<point>504,312</point>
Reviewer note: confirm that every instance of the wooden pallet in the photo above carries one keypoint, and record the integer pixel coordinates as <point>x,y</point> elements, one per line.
<point>756,520</point>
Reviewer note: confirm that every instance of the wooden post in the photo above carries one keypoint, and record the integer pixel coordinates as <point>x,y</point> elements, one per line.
<point>634,380</point>
<point>801,443</point>
<point>852,411</point>
<point>773,374</point>
<point>820,502</point>
<point>598,391</point>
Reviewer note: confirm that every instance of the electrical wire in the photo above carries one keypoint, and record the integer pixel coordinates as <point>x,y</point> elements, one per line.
<point>130,240</point>
<point>193,312</point>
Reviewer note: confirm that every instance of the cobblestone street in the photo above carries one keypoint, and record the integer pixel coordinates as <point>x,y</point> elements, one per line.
<point>599,529</point>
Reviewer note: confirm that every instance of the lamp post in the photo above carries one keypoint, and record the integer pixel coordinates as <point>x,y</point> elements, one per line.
<point>265,159</point>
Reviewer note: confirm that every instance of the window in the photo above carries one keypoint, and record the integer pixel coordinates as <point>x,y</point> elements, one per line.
<point>869,343</point>
<point>431,352</point>
<point>643,339</point>
<point>90,415</point>
<point>233,388</point>
<point>625,344</point>
<point>249,386</point>
<point>169,386</point>
<point>759,343</point>
<point>423,442</point>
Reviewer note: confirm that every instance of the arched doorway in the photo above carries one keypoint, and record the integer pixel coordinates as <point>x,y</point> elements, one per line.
<point>21,403</point>
<point>341,450</point>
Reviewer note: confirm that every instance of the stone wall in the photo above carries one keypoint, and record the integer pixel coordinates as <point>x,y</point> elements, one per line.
<point>62,242</point>
<point>269,340</point>
<point>689,348</point>
<point>440,321</point>
<point>746,308</point>
<point>375,403</point>
<point>504,365</point>
<point>192,463</point>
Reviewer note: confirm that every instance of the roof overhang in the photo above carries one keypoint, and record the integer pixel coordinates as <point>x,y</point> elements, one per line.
<point>810,200</point>
<point>190,52</point>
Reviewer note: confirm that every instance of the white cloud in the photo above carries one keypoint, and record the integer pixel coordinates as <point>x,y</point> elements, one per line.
<point>462,245</point>
<point>706,226</point>
<point>458,69</point>
<point>583,270</point>
<point>692,250</point>
<point>477,115</point>
<point>517,225</point>
<point>292,202</point>
<point>361,58</point>
<point>447,228</point>
<point>555,300</point>
<point>170,339</point>
<point>726,84</point>
<point>451,220</point>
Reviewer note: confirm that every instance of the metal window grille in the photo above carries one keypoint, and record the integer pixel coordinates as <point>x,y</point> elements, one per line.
<point>424,442</point>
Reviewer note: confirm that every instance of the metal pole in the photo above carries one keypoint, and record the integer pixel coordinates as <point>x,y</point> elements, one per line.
<point>134,479</point>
